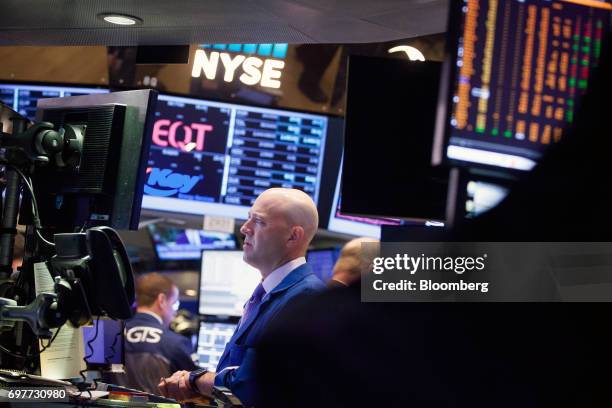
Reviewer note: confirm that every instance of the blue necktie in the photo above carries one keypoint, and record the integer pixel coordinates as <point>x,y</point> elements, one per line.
<point>253,302</point>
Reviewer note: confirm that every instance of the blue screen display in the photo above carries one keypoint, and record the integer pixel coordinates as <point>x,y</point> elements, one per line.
<point>216,158</point>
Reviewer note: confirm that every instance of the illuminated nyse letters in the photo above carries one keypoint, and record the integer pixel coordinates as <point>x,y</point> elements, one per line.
<point>165,133</point>
<point>255,70</point>
<point>251,74</point>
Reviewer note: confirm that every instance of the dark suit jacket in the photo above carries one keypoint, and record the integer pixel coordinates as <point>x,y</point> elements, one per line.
<point>153,351</point>
<point>235,369</point>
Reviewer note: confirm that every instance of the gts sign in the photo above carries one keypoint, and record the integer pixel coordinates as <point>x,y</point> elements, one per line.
<point>143,334</point>
<point>266,73</point>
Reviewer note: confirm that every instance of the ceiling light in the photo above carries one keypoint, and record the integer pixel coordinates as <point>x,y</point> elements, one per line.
<point>120,19</point>
<point>412,53</point>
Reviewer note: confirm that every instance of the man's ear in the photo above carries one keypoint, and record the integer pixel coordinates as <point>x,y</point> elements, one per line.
<point>297,234</point>
<point>162,299</point>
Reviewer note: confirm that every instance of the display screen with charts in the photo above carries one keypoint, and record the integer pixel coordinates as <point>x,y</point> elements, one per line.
<point>212,339</point>
<point>226,283</point>
<point>516,73</point>
<point>215,158</point>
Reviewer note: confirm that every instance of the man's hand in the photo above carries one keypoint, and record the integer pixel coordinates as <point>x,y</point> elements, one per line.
<point>177,387</point>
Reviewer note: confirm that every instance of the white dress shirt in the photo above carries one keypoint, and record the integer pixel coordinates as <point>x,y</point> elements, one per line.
<point>276,276</point>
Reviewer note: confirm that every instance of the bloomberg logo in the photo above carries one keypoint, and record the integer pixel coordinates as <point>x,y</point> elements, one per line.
<point>166,182</point>
<point>165,133</point>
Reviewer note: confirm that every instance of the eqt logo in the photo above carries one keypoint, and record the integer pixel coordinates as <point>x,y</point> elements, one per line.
<point>166,133</point>
<point>170,182</point>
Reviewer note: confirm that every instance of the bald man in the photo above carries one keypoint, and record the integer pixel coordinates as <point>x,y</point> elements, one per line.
<point>281,224</point>
<point>353,261</point>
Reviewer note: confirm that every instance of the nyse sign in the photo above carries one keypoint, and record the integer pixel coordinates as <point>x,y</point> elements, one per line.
<point>248,70</point>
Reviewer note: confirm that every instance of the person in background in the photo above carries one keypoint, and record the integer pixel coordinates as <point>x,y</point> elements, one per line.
<point>281,224</point>
<point>352,263</point>
<point>152,350</point>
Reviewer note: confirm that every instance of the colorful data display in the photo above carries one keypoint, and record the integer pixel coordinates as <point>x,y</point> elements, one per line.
<point>520,70</point>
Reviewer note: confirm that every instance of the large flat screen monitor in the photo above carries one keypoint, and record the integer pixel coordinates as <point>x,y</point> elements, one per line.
<point>388,138</point>
<point>216,158</point>
<point>184,126</point>
<point>514,74</point>
<point>184,244</point>
<point>212,339</point>
<point>226,283</point>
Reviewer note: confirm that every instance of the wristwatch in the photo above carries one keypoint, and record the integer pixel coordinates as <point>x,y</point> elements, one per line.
<point>194,375</point>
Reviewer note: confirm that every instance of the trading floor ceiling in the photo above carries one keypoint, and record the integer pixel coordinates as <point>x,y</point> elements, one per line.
<point>169,22</point>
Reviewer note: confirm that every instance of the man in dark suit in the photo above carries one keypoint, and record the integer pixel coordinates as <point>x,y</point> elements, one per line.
<point>281,224</point>
<point>150,347</point>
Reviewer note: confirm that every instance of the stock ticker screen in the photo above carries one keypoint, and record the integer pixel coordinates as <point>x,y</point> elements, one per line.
<point>23,97</point>
<point>520,70</point>
<point>216,158</point>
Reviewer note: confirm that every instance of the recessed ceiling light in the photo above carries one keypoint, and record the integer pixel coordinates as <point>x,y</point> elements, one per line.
<point>120,19</point>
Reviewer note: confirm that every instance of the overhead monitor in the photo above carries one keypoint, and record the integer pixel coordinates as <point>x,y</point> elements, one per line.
<point>216,158</point>
<point>513,77</point>
<point>388,138</point>
<point>179,244</point>
<point>226,283</point>
<point>212,339</point>
<point>354,225</point>
<point>23,97</point>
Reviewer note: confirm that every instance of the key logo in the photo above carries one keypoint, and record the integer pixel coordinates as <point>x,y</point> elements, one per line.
<point>165,182</point>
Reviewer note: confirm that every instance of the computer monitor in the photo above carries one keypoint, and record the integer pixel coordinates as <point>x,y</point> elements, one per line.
<point>178,244</point>
<point>23,97</point>
<point>322,262</point>
<point>390,118</point>
<point>104,184</point>
<point>514,74</point>
<point>212,339</point>
<point>355,225</point>
<point>216,158</point>
<point>108,346</point>
<point>226,283</point>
